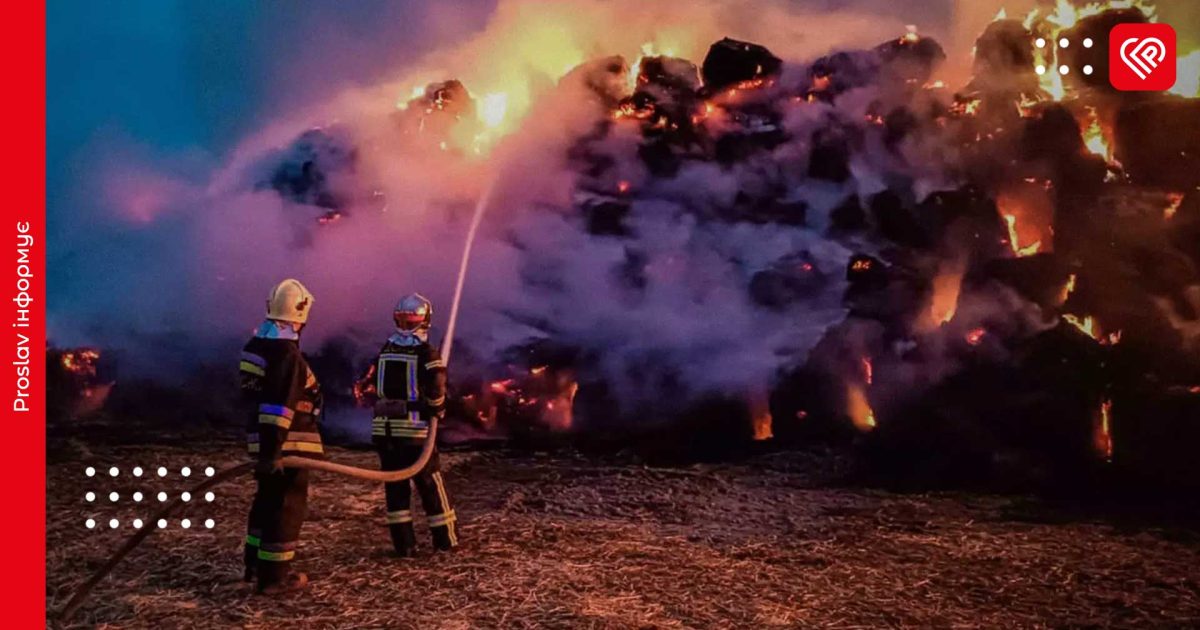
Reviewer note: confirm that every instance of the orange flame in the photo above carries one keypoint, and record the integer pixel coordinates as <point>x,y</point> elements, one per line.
<point>1087,325</point>
<point>859,409</point>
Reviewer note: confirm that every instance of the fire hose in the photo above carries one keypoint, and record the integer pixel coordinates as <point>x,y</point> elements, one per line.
<point>379,476</point>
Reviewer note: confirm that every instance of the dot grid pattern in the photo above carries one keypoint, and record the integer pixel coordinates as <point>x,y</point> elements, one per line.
<point>117,498</point>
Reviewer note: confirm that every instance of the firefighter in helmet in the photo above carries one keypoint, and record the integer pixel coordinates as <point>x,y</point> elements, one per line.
<point>282,400</point>
<point>407,386</point>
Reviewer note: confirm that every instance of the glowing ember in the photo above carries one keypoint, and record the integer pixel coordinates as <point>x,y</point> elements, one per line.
<point>622,186</point>
<point>1175,200</point>
<point>1103,431</point>
<point>975,336</point>
<point>868,371</point>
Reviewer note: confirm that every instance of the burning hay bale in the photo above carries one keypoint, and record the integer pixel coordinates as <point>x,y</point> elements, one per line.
<point>732,63</point>
<point>316,169</point>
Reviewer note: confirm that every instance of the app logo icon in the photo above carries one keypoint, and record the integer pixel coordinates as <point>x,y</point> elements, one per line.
<point>1142,57</point>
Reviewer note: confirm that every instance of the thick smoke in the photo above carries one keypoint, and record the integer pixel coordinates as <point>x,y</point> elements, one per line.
<point>189,253</point>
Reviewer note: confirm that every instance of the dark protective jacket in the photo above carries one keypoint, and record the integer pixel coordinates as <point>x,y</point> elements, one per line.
<point>408,389</point>
<point>282,400</point>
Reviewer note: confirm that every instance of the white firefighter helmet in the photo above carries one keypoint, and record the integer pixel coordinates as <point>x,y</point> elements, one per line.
<point>413,313</point>
<point>289,302</point>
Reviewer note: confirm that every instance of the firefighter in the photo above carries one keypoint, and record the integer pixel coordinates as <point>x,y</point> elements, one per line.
<point>283,401</point>
<point>407,384</point>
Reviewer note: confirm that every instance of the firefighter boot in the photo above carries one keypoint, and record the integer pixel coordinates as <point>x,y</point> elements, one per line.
<point>404,539</point>
<point>289,584</point>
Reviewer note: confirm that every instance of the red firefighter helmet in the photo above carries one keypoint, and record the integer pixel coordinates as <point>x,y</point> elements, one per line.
<point>414,312</point>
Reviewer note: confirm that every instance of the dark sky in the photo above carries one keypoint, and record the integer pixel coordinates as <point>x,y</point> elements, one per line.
<point>187,78</point>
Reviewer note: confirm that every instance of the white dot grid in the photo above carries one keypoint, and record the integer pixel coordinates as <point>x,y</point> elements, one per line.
<point>1064,43</point>
<point>137,496</point>
<point>1088,43</point>
<point>1088,70</point>
<point>1040,43</point>
<point>1064,70</point>
<point>1040,69</point>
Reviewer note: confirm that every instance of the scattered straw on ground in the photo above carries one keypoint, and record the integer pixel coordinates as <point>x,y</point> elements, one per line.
<point>567,542</point>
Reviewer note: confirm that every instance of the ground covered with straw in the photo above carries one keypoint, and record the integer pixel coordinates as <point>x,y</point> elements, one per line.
<point>566,541</point>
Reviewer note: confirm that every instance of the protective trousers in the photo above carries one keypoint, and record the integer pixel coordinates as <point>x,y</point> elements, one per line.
<point>394,455</point>
<point>276,516</point>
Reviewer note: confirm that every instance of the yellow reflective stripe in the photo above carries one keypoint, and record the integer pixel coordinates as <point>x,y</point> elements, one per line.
<point>435,401</point>
<point>304,447</point>
<point>436,363</point>
<point>410,432</point>
<point>442,519</point>
<point>276,556</point>
<point>247,366</point>
<point>279,421</point>
<point>252,447</point>
<point>399,516</point>
<point>253,541</point>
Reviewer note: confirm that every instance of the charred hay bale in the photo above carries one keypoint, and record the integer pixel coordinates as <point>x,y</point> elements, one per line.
<point>314,169</point>
<point>829,158</point>
<point>671,76</point>
<point>911,59</point>
<point>1158,142</point>
<point>848,216</point>
<point>807,407</point>
<point>730,62</point>
<point>605,216</point>
<point>1040,278</point>
<point>899,222</point>
<point>788,280</point>
<point>1004,59</point>
<point>1155,433</point>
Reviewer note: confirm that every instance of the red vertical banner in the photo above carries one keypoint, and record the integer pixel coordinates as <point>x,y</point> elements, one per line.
<point>23,468</point>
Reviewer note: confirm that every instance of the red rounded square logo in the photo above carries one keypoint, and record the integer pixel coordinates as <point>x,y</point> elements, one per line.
<point>1141,57</point>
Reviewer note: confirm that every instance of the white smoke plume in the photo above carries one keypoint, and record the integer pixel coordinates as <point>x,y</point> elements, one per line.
<point>183,265</point>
